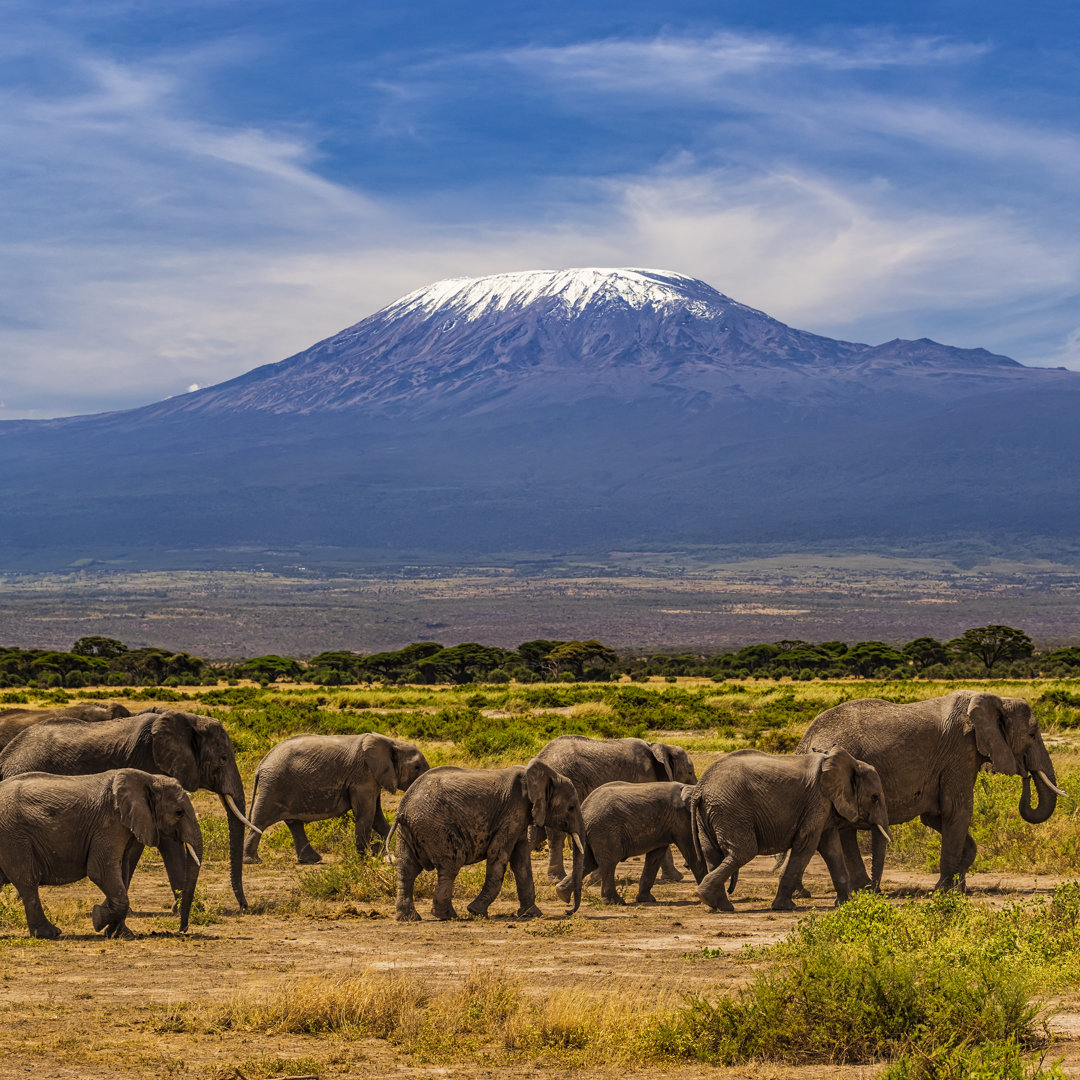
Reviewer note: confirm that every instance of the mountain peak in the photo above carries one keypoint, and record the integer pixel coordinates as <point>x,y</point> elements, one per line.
<point>574,289</point>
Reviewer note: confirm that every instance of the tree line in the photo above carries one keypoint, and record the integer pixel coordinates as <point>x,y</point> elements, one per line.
<point>984,650</point>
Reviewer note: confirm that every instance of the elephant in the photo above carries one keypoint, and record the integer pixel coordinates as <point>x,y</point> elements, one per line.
<point>12,721</point>
<point>451,817</point>
<point>751,803</point>
<point>623,820</point>
<point>196,750</point>
<point>58,829</point>
<point>592,762</point>
<point>928,754</point>
<point>314,777</point>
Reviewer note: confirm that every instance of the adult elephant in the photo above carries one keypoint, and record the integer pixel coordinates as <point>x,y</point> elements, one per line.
<point>58,829</point>
<point>12,721</point>
<point>314,777</point>
<point>928,754</point>
<point>195,750</point>
<point>589,763</point>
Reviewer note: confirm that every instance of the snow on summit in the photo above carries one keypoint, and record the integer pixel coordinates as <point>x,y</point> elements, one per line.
<point>473,298</point>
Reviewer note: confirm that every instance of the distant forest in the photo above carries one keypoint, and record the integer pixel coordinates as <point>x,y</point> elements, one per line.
<point>100,661</point>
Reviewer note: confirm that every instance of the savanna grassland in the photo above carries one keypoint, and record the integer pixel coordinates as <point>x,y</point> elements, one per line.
<point>317,979</point>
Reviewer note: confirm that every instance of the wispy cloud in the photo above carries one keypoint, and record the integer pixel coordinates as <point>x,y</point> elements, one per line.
<point>149,248</point>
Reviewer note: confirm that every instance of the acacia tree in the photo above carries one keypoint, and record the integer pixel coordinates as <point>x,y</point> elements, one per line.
<point>924,652</point>
<point>992,644</point>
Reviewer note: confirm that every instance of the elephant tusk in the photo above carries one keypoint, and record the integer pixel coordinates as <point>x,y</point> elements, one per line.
<point>231,804</point>
<point>884,832</point>
<point>191,852</point>
<point>1046,780</point>
<point>577,840</point>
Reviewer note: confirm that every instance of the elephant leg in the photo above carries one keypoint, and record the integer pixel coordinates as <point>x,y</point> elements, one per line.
<point>712,891</point>
<point>493,879</point>
<point>305,853</point>
<point>653,862</point>
<point>36,922</point>
<point>521,868</point>
<point>956,845</point>
<point>605,871</point>
<point>555,839</point>
<point>363,808</point>
<point>849,842</point>
<point>801,852</point>
<point>669,875</point>
<point>132,855</point>
<point>832,852</point>
<point>111,915</point>
<point>442,906</point>
<point>262,815</point>
<point>407,869</point>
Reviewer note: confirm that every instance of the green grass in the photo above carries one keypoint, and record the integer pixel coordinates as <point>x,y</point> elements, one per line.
<point>925,983</point>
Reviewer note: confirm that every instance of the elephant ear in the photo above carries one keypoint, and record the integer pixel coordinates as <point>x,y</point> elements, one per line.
<point>538,778</point>
<point>132,792</point>
<point>984,716</point>
<point>838,782</point>
<point>173,750</point>
<point>379,758</point>
<point>662,754</point>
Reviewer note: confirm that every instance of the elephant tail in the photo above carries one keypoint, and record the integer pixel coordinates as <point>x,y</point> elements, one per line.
<point>781,858</point>
<point>254,790</point>
<point>387,855</point>
<point>698,822</point>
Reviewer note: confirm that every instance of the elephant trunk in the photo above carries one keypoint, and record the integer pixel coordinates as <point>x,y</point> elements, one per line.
<point>232,799</point>
<point>1047,797</point>
<point>192,843</point>
<point>577,874</point>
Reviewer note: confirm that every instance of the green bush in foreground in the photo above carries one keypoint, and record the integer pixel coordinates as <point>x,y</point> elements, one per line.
<point>922,985</point>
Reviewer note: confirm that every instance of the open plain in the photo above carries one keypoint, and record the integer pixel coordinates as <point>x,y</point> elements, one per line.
<point>317,979</point>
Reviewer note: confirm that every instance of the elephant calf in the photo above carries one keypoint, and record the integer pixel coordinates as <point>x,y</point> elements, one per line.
<point>750,803</point>
<point>58,829</point>
<point>315,777</point>
<point>452,817</point>
<point>623,820</point>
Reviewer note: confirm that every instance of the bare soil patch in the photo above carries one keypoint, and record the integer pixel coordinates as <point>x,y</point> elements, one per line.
<point>84,1006</point>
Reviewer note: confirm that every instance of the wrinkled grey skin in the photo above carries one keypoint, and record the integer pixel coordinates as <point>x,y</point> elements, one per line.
<point>750,803</point>
<point>314,777</point>
<point>624,820</point>
<point>12,721</point>
<point>195,750</point>
<point>928,754</point>
<point>58,829</point>
<point>589,763</point>
<point>452,817</point>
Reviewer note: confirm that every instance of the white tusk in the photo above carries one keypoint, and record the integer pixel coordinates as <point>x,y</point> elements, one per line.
<point>884,832</point>
<point>1046,780</point>
<point>191,852</point>
<point>577,840</point>
<point>231,804</point>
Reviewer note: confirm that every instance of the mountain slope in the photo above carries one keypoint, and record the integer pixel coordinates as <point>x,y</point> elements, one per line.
<point>547,412</point>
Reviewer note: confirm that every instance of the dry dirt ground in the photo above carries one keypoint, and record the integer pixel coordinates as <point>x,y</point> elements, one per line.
<point>86,1007</point>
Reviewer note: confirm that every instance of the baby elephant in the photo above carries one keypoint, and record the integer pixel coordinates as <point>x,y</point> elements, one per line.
<point>314,777</point>
<point>58,829</point>
<point>452,817</point>
<point>750,803</point>
<point>623,820</point>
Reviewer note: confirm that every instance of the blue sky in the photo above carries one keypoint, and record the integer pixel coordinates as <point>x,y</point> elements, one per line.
<point>188,190</point>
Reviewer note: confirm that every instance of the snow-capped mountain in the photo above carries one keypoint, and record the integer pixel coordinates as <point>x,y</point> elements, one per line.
<point>554,411</point>
<point>550,336</point>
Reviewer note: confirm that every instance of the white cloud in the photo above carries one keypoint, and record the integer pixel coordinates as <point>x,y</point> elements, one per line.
<point>150,251</point>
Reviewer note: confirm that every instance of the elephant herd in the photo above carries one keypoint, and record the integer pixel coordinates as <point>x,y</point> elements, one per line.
<point>82,793</point>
